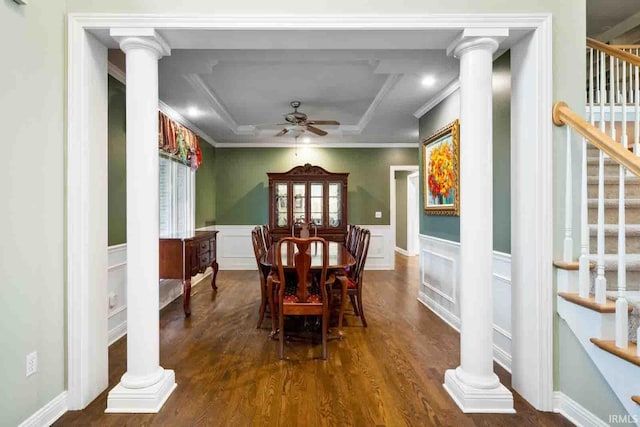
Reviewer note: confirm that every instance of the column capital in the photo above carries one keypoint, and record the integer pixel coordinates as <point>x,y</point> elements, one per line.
<point>141,38</point>
<point>477,38</point>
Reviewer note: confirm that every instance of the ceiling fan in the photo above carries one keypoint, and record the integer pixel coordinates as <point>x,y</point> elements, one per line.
<point>299,122</point>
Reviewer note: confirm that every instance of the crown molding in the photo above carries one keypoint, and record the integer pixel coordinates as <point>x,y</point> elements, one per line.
<point>174,115</point>
<point>212,98</point>
<point>275,144</point>
<point>117,73</point>
<point>120,75</point>
<point>440,96</point>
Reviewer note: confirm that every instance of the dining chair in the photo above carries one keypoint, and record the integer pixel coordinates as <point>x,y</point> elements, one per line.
<point>267,238</point>
<point>303,293</point>
<point>259,252</point>
<point>355,275</point>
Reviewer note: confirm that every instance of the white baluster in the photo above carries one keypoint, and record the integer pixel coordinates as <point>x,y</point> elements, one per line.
<point>612,97</point>
<point>622,314</point>
<point>601,280</point>
<point>568,205</point>
<point>636,122</point>
<point>583,261</point>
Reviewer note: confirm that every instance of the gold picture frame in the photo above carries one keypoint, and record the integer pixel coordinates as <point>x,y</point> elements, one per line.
<point>441,171</point>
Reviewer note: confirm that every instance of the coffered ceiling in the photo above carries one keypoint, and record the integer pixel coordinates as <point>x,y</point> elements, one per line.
<point>234,87</point>
<point>239,96</point>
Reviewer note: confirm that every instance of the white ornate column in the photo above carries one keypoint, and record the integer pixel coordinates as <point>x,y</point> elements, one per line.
<point>146,385</point>
<point>473,385</point>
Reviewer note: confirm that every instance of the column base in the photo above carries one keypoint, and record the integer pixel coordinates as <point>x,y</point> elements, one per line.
<point>498,400</point>
<point>141,400</point>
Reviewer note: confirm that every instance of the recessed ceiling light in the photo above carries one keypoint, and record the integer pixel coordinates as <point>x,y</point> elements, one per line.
<point>193,111</point>
<point>428,81</point>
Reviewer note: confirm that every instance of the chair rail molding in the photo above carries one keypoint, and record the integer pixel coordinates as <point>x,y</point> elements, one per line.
<point>86,118</point>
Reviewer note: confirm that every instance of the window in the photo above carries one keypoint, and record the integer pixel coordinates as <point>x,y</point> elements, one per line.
<point>177,197</point>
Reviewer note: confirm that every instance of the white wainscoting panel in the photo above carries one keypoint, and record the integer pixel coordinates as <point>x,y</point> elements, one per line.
<point>117,288</point>
<point>381,248</point>
<point>236,253</point>
<point>440,290</point>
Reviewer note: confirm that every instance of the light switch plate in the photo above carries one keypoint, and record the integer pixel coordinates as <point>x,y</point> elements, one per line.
<point>32,363</point>
<point>378,214</point>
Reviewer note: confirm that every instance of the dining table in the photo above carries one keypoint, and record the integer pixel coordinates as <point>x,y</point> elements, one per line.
<point>340,261</point>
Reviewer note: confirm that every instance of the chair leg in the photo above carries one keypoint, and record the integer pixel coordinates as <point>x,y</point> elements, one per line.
<point>325,321</point>
<point>263,306</point>
<point>353,303</point>
<point>361,308</point>
<point>281,336</point>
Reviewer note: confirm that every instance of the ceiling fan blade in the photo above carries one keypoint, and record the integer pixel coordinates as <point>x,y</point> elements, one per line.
<point>324,122</point>
<point>282,132</point>
<point>317,131</point>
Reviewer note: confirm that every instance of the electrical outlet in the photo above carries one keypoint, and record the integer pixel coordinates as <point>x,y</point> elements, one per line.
<point>378,214</point>
<point>32,363</point>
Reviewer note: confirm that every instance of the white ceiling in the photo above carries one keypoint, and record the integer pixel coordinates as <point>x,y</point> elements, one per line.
<point>236,94</point>
<point>232,84</point>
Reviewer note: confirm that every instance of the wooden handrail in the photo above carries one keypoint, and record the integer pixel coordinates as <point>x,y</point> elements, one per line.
<point>562,115</point>
<point>613,51</point>
<point>625,46</point>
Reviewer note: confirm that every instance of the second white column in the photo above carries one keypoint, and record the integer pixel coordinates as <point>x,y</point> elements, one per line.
<point>473,385</point>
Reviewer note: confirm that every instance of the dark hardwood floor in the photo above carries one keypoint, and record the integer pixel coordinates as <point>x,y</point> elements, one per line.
<point>228,372</point>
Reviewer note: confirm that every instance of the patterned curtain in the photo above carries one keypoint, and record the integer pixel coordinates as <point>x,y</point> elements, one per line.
<point>178,141</point>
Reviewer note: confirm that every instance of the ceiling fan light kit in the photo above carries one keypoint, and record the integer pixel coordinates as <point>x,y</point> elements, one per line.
<point>301,123</point>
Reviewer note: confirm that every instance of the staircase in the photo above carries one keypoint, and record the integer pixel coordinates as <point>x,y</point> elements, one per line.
<point>601,303</point>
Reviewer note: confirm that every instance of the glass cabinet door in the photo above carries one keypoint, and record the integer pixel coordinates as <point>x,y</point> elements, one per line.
<point>335,204</point>
<point>281,202</point>
<point>317,204</point>
<point>299,202</point>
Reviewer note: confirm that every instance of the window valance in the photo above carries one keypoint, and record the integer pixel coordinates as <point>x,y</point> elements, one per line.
<point>178,141</point>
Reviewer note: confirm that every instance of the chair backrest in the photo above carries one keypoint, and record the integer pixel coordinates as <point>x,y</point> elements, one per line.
<point>355,239</point>
<point>302,262</point>
<point>258,245</point>
<point>364,237</point>
<point>266,236</point>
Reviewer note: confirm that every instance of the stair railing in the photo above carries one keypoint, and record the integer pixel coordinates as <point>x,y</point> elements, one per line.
<point>613,90</point>
<point>626,160</point>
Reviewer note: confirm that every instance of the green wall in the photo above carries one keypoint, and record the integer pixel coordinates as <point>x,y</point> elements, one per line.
<point>401,209</point>
<point>117,162</point>
<point>448,227</point>
<point>242,192</point>
<point>206,187</point>
<point>205,176</point>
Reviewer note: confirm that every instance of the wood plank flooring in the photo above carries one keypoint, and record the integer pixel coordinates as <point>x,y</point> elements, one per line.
<point>228,372</point>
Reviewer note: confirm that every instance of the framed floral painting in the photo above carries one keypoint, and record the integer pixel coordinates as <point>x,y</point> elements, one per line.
<point>441,171</point>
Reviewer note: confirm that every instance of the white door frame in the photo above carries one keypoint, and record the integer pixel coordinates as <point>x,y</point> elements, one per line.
<point>413,218</point>
<point>392,202</point>
<point>531,175</point>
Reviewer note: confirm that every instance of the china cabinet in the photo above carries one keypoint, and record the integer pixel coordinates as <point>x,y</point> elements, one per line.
<point>308,194</point>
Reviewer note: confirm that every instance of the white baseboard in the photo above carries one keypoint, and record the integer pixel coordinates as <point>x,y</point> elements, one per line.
<point>402,251</point>
<point>439,290</point>
<point>117,332</point>
<point>500,356</point>
<point>117,285</point>
<point>574,412</point>
<point>49,413</point>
